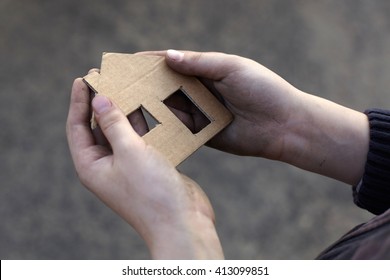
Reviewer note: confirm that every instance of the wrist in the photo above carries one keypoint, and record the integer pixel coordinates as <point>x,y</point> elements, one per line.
<point>328,139</point>
<point>193,237</point>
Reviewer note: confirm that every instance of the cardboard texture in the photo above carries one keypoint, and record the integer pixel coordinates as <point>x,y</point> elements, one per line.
<point>132,81</point>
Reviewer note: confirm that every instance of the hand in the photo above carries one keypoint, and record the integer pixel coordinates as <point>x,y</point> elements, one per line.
<point>168,210</point>
<point>275,120</point>
<point>260,100</point>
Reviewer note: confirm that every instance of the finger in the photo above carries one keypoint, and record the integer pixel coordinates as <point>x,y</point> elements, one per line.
<point>115,126</point>
<point>209,65</point>
<point>184,117</point>
<point>182,108</point>
<point>78,126</point>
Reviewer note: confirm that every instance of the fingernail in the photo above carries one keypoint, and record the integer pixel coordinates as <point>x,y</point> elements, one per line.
<point>101,104</point>
<point>175,55</point>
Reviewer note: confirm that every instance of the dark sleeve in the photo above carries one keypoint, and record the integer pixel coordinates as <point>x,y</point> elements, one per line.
<point>370,240</point>
<point>373,191</point>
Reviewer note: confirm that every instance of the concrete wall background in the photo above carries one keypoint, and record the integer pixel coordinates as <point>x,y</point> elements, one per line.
<point>265,210</point>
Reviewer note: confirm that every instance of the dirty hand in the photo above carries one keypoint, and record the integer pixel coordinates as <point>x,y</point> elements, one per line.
<point>275,120</point>
<point>168,210</point>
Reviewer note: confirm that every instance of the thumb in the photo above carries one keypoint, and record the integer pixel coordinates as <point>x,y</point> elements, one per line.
<point>114,125</point>
<point>209,65</point>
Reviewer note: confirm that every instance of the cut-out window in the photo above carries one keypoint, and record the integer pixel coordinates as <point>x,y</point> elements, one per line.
<point>139,118</point>
<point>187,111</point>
<point>150,120</point>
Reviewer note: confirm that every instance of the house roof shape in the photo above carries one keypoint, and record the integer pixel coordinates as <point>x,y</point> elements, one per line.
<point>132,81</point>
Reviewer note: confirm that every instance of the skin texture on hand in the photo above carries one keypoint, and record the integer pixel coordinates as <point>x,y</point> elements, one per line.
<point>169,210</point>
<point>275,120</point>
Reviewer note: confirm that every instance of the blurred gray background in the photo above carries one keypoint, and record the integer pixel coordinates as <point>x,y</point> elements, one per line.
<point>265,210</point>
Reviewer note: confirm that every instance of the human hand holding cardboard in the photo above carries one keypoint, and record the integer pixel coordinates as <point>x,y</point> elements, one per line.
<point>275,120</point>
<point>168,210</point>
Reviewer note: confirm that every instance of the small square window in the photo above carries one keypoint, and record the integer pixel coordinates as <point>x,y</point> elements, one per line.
<point>187,111</point>
<point>146,116</point>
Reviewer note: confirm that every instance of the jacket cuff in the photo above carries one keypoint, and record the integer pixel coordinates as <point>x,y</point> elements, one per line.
<point>373,191</point>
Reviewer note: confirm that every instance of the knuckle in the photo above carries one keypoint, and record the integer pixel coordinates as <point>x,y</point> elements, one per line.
<point>197,57</point>
<point>110,120</point>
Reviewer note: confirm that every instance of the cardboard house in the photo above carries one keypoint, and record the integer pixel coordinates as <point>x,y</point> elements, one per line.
<point>145,82</point>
